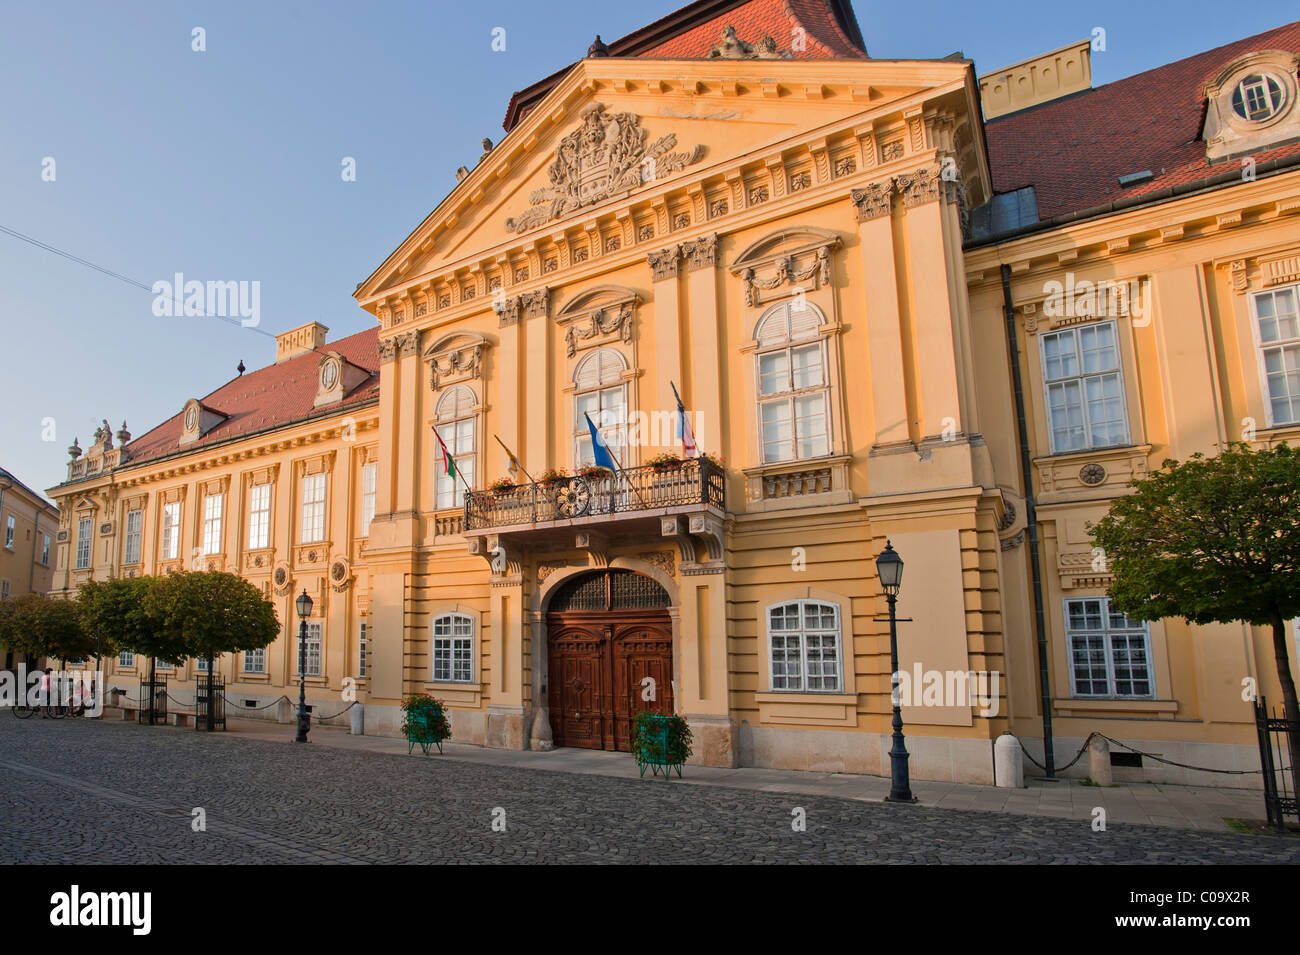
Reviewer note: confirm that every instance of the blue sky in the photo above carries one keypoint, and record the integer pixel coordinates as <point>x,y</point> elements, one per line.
<point>225,164</point>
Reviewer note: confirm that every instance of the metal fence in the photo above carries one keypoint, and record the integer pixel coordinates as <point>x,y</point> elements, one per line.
<point>153,701</point>
<point>1277,760</point>
<point>693,481</point>
<point>217,697</point>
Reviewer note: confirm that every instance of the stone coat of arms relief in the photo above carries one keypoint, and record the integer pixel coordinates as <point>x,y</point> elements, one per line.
<point>606,155</point>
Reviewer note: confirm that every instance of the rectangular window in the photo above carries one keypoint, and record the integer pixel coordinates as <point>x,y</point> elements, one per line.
<point>45,549</point>
<point>458,436</point>
<point>4,589</point>
<point>259,516</point>
<point>213,506</point>
<point>453,648</point>
<point>201,665</point>
<point>369,481</point>
<point>83,543</point>
<point>804,638</point>
<point>9,532</point>
<point>1084,388</point>
<point>134,526</point>
<point>163,665</point>
<point>314,638</point>
<point>313,508</point>
<point>1279,344</point>
<point>255,661</point>
<point>361,651</point>
<point>171,531</point>
<point>792,404</point>
<point>125,660</point>
<point>1110,653</point>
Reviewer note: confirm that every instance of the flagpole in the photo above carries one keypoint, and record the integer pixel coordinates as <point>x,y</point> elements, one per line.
<point>514,460</point>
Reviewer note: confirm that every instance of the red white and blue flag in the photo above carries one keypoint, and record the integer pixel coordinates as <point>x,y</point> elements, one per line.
<point>684,427</point>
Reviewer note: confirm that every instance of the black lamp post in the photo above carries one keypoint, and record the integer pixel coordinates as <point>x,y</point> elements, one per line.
<point>303,603</point>
<point>889,567</point>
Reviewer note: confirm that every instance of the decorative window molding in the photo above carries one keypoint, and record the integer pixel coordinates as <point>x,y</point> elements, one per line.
<point>600,390</point>
<point>792,383</point>
<point>1275,328</point>
<point>452,639</point>
<point>197,419</point>
<point>598,316</point>
<point>1083,388</point>
<point>337,377</point>
<point>798,258</point>
<point>454,358</point>
<point>1251,105</point>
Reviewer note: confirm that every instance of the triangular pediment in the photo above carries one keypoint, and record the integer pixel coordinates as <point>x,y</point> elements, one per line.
<point>616,132</point>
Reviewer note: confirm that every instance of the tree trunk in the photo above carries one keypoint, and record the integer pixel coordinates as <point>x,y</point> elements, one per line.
<point>1290,706</point>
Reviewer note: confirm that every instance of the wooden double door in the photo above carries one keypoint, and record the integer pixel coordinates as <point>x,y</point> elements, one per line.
<point>599,662</point>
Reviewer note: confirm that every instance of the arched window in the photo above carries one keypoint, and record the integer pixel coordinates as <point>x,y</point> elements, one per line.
<point>601,393</point>
<point>792,383</point>
<point>456,423</point>
<point>453,648</point>
<point>804,645</point>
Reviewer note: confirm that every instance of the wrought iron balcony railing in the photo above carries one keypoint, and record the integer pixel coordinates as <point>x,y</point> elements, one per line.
<point>695,481</point>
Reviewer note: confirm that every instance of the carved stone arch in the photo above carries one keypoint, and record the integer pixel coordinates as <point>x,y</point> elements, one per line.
<point>455,357</point>
<point>598,316</point>
<point>543,592</point>
<point>786,262</point>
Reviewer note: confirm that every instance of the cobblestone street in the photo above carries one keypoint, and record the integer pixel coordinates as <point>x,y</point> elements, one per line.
<point>81,791</point>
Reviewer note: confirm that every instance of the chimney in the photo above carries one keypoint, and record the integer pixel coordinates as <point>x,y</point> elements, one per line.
<point>298,340</point>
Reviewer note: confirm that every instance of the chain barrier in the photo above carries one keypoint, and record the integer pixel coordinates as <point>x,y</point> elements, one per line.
<point>1158,759</point>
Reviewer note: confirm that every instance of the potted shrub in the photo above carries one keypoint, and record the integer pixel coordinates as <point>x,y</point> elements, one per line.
<point>593,472</point>
<point>424,721</point>
<point>501,485</point>
<point>661,741</point>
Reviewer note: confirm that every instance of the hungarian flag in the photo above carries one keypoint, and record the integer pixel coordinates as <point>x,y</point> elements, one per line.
<point>684,428</point>
<point>449,465</point>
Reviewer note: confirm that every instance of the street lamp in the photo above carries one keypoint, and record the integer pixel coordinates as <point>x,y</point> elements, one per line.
<point>889,567</point>
<point>303,603</point>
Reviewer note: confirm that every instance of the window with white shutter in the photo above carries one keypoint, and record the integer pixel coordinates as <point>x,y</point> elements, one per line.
<point>602,394</point>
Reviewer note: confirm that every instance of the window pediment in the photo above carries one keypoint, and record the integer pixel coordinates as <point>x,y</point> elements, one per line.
<point>1251,105</point>
<point>454,358</point>
<point>598,316</point>
<point>786,262</point>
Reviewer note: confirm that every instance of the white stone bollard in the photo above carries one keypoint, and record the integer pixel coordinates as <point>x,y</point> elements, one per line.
<point>1008,763</point>
<point>359,719</point>
<point>283,710</point>
<point>1099,761</point>
<point>542,739</point>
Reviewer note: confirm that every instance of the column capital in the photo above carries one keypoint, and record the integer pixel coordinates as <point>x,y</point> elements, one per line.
<point>874,200</point>
<point>701,253</point>
<point>664,262</point>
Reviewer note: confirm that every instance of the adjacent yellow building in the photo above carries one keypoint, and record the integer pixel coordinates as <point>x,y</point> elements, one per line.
<point>819,253</point>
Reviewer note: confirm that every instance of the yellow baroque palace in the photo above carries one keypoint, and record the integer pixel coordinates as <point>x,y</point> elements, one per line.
<point>856,273</point>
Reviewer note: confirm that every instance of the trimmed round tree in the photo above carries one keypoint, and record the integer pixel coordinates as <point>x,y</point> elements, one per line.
<point>39,626</point>
<point>1213,540</point>
<point>118,611</point>
<point>212,612</point>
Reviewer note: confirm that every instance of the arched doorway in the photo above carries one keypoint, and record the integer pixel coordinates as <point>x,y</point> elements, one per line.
<point>606,633</point>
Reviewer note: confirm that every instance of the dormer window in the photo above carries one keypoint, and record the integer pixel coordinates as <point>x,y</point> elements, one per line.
<point>1258,97</point>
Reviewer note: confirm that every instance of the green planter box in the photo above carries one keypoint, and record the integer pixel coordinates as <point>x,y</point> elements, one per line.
<point>425,724</point>
<point>661,743</point>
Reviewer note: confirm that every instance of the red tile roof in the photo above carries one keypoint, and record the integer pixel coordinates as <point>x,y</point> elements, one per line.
<point>1073,151</point>
<point>270,397</point>
<point>829,31</point>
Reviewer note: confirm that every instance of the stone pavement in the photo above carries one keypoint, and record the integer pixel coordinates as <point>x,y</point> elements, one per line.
<point>1188,807</point>
<point>83,791</point>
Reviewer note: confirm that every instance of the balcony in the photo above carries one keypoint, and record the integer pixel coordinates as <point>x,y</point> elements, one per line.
<point>692,484</point>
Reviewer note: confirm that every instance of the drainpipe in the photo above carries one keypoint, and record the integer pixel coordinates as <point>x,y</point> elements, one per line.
<point>1031,525</point>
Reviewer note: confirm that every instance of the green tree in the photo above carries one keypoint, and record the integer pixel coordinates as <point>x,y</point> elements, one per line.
<point>211,612</point>
<point>1213,540</point>
<point>39,626</point>
<point>118,610</point>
